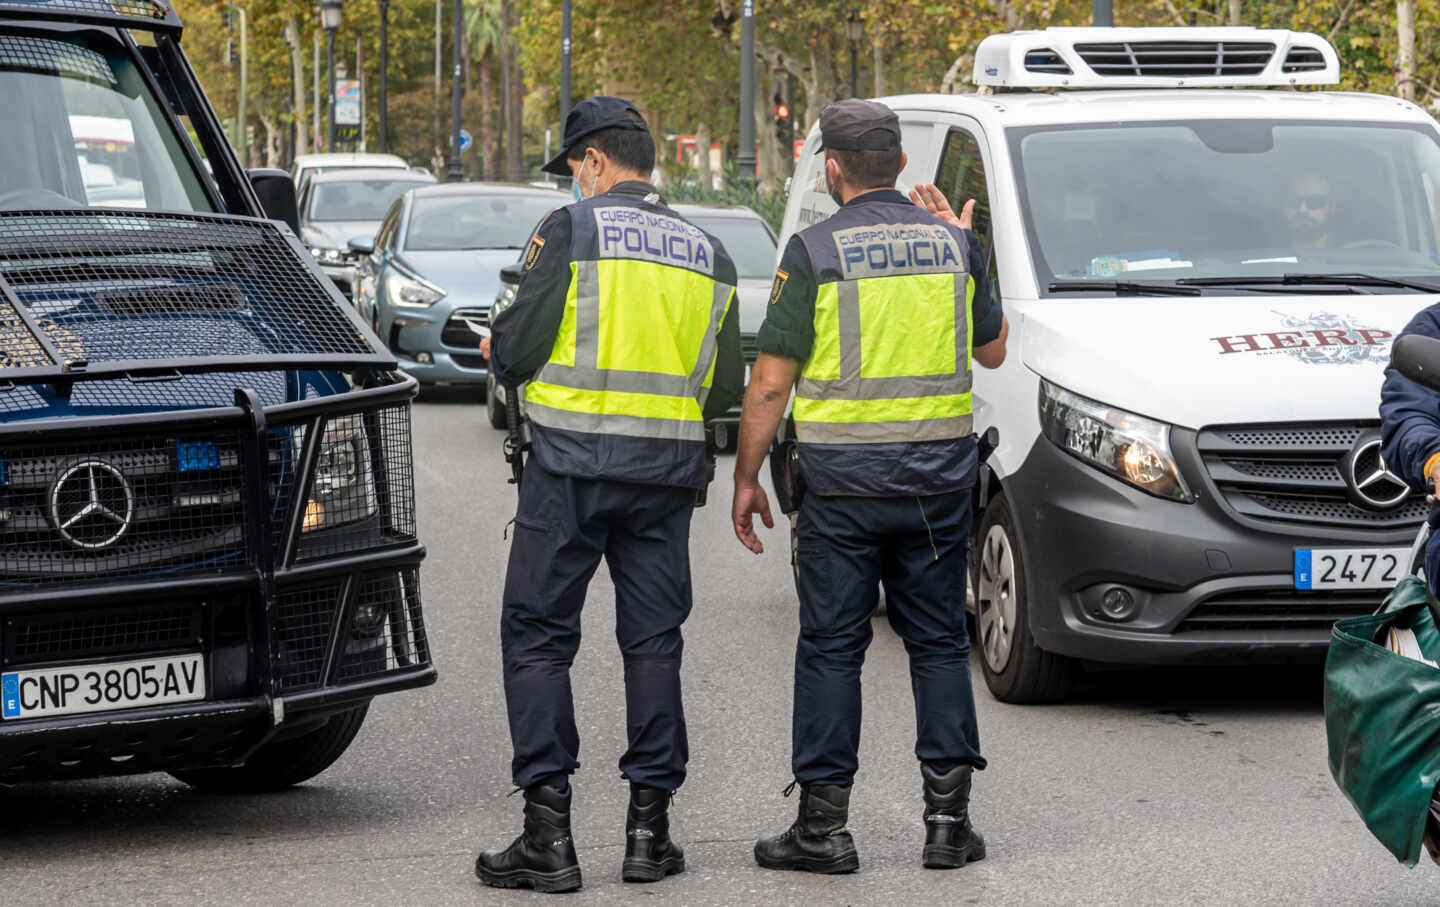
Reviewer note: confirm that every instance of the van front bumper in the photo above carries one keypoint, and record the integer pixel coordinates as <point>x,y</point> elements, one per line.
<point>1210,586</point>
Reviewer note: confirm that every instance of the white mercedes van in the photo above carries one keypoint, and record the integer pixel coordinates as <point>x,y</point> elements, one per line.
<point>1203,267</point>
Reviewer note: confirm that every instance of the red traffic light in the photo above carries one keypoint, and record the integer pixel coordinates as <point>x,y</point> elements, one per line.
<point>782,111</point>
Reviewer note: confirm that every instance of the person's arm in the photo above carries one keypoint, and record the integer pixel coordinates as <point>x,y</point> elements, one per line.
<point>785,341</point>
<point>765,399</point>
<point>1410,416</point>
<point>991,330</point>
<point>523,335</point>
<point>728,382</point>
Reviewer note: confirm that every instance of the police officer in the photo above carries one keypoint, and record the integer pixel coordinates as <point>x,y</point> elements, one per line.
<point>873,316</point>
<point>624,326</point>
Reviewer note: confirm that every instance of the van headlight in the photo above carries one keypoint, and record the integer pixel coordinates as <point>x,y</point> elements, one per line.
<point>411,292</point>
<point>342,489</point>
<point>1132,448</point>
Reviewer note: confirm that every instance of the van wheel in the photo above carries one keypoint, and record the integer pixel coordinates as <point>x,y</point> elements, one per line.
<point>279,765</point>
<point>494,409</point>
<point>1016,670</point>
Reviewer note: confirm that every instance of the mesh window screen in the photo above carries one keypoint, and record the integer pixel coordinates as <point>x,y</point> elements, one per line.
<point>141,9</point>
<point>25,52</point>
<point>183,286</point>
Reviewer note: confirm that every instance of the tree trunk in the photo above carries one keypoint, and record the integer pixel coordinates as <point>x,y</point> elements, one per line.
<point>272,140</point>
<point>507,50</point>
<point>1234,13</point>
<point>702,162</point>
<point>297,73</point>
<point>767,158</point>
<point>1405,38</point>
<point>487,130</point>
<point>515,114</point>
<point>878,65</point>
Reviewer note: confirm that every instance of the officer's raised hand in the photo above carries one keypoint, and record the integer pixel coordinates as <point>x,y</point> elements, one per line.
<point>929,197</point>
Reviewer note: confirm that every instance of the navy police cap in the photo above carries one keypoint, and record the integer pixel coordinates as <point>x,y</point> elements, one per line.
<point>857,125</point>
<point>593,115</point>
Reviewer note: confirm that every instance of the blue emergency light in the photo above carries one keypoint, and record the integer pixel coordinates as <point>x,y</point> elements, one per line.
<point>193,456</point>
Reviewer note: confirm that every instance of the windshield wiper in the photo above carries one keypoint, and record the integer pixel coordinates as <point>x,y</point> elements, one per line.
<point>1122,288</point>
<point>1290,280</point>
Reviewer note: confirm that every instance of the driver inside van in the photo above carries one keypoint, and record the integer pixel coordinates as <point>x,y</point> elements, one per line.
<point>1309,210</point>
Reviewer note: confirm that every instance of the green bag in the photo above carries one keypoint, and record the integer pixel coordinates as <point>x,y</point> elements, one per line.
<point>1382,718</point>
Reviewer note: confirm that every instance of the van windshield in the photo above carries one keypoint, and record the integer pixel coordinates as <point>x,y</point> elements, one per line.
<point>81,129</point>
<point>1164,202</point>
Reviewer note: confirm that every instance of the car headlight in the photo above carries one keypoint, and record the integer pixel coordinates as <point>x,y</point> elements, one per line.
<point>1132,448</point>
<point>343,487</point>
<point>411,292</point>
<point>328,256</point>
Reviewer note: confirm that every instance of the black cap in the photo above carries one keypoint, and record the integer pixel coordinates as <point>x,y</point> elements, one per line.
<point>593,115</point>
<point>856,125</point>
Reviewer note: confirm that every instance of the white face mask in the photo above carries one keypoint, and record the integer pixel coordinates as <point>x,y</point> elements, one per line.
<point>575,183</point>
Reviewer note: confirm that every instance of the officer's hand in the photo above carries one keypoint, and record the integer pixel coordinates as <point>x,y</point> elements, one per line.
<point>749,500</point>
<point>929,197</point>
<point>485,347</point>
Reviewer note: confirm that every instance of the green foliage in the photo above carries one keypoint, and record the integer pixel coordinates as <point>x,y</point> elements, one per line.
<point>684,185</point>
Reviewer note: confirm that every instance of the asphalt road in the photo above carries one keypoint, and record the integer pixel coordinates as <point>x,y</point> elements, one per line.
<point>1154,787</point>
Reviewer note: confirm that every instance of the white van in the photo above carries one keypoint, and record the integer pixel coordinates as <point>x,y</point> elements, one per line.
<point>1202,279</point>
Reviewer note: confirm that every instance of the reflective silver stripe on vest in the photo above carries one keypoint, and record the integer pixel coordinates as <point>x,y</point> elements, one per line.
<point>600,423</point>
<point>884,432</point>
<point>586,374</point>
<point>709,346</point>
<point>851,386</point>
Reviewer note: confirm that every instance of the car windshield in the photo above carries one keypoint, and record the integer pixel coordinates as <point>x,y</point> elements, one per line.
<point>81,129</point>
<point>469,221</point>
<point>747,239</point>
<point>1207,200</point>
<point>357,199</point>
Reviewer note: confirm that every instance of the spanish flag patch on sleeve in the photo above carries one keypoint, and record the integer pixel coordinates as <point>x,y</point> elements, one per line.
<point>778,286</point>
<point>532,254</point>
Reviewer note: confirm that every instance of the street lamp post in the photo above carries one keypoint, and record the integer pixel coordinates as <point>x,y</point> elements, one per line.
<point>564,73</point>
<point>384,71</point>
<point>330,21</point>
<point>854,30</point>
<point>745,160</point>
<point>456,172</point>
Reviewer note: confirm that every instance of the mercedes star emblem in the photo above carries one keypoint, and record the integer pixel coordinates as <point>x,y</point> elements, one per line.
<point>1372,485</point>
<point>92,505</point>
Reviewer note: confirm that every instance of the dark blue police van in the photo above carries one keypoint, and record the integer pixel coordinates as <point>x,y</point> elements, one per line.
<point>208,554</point>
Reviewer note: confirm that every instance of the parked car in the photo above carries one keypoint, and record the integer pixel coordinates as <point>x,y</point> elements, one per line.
<point>1201,286</point>
<point>208,553</point>
<point>751,244</point>
<point>339,206</point>
<point>426,280</point>
<point>307,165</point>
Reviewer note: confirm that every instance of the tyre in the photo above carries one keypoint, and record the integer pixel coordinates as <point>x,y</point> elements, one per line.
<point>284,763</point>
<point>1016,669</point>
<point>495,409</point>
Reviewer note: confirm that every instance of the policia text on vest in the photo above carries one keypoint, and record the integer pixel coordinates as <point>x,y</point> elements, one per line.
<point>876,316</point>
<point>624,325</point>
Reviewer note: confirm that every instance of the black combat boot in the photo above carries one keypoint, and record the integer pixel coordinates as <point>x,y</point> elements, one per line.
<point>950,841</point>
<point>817,841</point>
<point>650,855</point>
<point>543,857</point>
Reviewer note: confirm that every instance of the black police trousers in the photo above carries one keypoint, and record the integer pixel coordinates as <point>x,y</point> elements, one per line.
<point>562,528</point>
<point>915,548</point>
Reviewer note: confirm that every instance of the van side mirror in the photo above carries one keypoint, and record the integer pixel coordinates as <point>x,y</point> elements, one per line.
<point>510,274</point>
<point>1418,358</point>
<point>277,196</point>
<point>364,245</point>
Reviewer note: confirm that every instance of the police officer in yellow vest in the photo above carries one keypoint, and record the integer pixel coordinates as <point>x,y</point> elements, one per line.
<point>625,328</point>
<point>874,316</point>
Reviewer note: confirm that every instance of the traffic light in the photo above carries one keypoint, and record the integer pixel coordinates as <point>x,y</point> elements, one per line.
<point>784,129</point>
<point>225,16</point>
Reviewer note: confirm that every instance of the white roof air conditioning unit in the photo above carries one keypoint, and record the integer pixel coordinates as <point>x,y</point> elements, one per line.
<point>1155,58</point>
